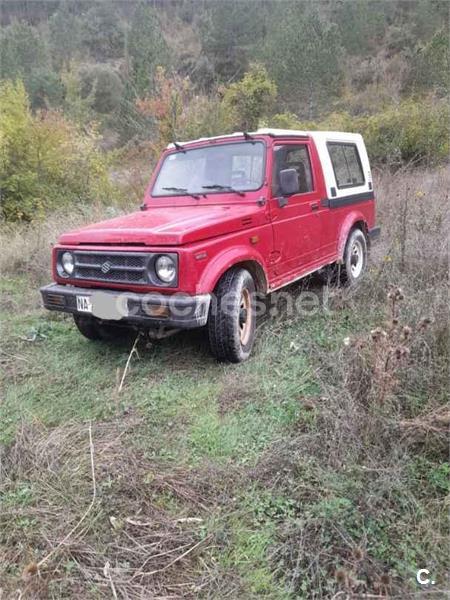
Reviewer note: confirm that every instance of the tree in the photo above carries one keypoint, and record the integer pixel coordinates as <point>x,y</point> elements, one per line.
<point>166,107</point>
<point>229,30</point>
<point>129,122</point>
<point>22,50</point>
<point>175,112</point>
<point>360,23</point>
<point>146,48</point>
<point>25,55</point>
<point>304,55</point>
<point>427,16</point>
<point>66,35</point>
<point>104,31</point>
<point>432,63</point>
<point>250,99</point>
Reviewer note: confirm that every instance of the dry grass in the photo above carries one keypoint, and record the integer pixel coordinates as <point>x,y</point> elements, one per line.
<point>383,414</point>
<point>413,210</point>
<point>130,545</point>
<point>26,249</point>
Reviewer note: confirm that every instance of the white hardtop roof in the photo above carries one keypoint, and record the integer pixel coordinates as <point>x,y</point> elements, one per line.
<point>316,135</point>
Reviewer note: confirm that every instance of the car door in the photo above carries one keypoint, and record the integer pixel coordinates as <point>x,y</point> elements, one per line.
<point>296,219</point>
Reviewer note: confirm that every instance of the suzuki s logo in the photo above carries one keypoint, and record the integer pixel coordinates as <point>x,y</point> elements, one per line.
<point>106,267</point>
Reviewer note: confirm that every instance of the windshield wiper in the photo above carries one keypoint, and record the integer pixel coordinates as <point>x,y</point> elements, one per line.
<point>218,186</point>
<point>182,190</point>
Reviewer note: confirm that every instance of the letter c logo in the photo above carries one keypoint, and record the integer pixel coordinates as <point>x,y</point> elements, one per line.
<point>421,579</point>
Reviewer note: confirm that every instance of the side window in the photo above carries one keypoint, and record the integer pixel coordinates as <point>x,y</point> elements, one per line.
<point>292,156</point>
<point>346,164</point>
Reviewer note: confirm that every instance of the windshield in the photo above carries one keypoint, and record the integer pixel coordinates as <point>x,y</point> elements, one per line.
<point>211,169</point>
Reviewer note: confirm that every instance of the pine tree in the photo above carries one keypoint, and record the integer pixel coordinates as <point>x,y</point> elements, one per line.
<point>304,56</point>
<point>146,48</point>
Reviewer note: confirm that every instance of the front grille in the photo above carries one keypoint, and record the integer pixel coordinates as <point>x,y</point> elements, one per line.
<point>114,267</point>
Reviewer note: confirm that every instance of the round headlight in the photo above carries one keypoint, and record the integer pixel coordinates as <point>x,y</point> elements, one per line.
<point>165,268</point>
<point>67,263</point>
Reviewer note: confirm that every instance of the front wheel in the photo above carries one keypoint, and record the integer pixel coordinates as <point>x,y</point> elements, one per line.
<point>92,329</point>
<point>232,319</point>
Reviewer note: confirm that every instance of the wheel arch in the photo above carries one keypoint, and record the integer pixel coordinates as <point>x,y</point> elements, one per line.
<point>257,272</point>
<point>231,259</point>
<point>355,220</point>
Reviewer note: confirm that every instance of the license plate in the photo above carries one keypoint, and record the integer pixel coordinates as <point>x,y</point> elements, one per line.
<point>110,307</point>
<point>84,304</point>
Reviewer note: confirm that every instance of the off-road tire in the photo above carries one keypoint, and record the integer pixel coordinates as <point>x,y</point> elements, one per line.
<point>93,330</point>
<point>355,257</point>
<point>231,328</point>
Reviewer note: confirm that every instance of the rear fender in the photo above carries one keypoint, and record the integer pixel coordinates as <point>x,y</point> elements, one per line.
<point>354,218</point>
<point>231,257</point>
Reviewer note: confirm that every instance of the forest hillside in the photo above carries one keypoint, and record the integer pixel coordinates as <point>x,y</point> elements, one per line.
<point>132,76</point>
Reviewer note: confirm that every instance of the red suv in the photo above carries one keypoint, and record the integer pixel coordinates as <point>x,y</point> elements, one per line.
<point>223,218</point>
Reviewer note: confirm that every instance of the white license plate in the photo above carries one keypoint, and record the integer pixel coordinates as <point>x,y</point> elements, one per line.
<point>84,304</point>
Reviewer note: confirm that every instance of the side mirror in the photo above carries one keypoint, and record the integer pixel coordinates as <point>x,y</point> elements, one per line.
<point>289,182</point>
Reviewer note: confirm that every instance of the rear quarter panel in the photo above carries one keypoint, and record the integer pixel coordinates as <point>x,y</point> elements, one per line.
<point>345,210</point>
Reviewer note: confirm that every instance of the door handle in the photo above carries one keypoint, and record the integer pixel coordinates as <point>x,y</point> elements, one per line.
<point>315,206</point>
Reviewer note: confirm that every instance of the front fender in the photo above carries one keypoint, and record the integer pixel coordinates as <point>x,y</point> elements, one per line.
<point>224,261</point>
<point>350,220</point>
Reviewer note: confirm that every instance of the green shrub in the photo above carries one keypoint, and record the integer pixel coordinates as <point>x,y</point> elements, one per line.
<point>45,161</point>
<point>250,98</point>
<point>411,131</point>
<point>45,89</point>
<point>105,86</point>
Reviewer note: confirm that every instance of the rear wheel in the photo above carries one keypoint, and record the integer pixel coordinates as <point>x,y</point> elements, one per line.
<point>354,262</point>
<point>355,257</point>
<point>92,329</point>
<point>232,319</point>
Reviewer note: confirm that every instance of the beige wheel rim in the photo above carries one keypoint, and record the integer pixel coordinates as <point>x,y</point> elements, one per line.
<point>245,317</point>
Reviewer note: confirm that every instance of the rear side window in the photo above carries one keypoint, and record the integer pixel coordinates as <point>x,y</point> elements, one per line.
<point>346,164</point>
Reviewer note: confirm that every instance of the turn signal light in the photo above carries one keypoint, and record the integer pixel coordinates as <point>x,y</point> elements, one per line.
<point>158,311</point>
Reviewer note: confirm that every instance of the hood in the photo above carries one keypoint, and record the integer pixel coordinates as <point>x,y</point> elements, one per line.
<point>168,226</point>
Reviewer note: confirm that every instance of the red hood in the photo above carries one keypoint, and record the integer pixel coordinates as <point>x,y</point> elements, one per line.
<point>168,226</point>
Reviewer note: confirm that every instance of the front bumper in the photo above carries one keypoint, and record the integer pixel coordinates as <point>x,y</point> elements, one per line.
<point>179,311</point>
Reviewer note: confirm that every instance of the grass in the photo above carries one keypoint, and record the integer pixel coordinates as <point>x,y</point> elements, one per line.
<point>190,411</point>
<point>278,478</point>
